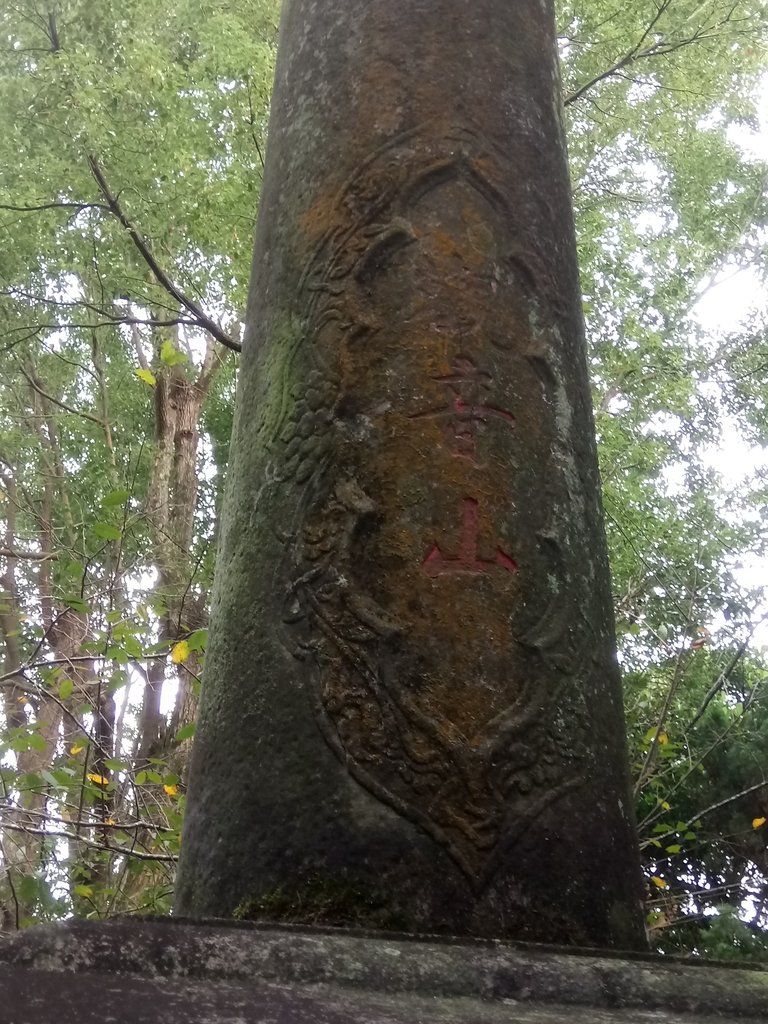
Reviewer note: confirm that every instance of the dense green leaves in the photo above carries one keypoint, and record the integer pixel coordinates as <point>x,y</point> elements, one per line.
<point>131,157</point>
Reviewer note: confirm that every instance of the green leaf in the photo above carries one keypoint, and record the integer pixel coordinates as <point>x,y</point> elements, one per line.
<point>29,888</point>
<point>170,355</point>
<point>198,640</point>
<point>66,688</point>
<point>76,603</point>
<point>36,742</point>
<point>29,782</point>
<point>107,531</point>
<point>115,498</point>
<point>185,732</point>
<point>658,829</point>
<point>50,779</point>
<point>675,848</point>
<point>132,647</point>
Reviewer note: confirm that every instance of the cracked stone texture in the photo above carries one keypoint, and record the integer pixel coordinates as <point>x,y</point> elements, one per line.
<point>162,971</point>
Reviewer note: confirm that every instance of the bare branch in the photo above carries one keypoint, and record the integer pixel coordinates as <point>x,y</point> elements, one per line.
<point>147,255</point>
<point>29,666</point>
<point>63,834</point>
<point>62,405</point>
<point>79,207</point>
<point>29,556</point>
<point>119,826</point>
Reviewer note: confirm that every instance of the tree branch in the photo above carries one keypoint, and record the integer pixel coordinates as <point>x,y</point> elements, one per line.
<point>707,810</point>
<point>202,319</point>
<point>723,678</point>
<point>62,834</point>
<point>62,405</point>
<point>29,556</point>
<point>637,53</point>
<point>118,826</point>
<point>75,659</point>
<point>54,206</point>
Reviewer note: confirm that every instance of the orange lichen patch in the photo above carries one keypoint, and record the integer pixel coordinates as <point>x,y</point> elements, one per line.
<point>446,245</point>
<point>323,215</point>
<point>462,685</point>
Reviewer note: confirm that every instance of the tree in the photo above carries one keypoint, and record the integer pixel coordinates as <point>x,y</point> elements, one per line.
<point>131,153</point>
<point>668,203</point>
<point>120,321</point>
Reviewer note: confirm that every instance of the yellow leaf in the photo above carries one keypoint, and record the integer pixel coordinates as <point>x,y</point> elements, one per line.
<point>110,821</point>
<point>98,779</point>
<point>146,375</point>
<point>180,652</point>
<point>759,822</point>
<point>663,738</point>
<point>666,806</point>
<point>171,790</point>
<point>76,749</point>
<point>659,882</point>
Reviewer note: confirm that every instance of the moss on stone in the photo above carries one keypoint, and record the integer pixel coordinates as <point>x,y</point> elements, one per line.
<point>282,382</point>
<point>324,900</point>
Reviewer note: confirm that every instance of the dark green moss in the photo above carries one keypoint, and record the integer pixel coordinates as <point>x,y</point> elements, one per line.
<point>322,900</point>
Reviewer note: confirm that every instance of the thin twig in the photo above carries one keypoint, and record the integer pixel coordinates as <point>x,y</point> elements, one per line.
<point>47,833</point>
<point>130,826</point>
<point>29,666</point>
<point>706,811</point>
<point>54,206</point>
<point>62,405</point>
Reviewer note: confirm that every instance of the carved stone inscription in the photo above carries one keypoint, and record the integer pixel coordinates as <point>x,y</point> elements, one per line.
<point>431,573</point>
<point>465,410</point>
<point>466,558</point>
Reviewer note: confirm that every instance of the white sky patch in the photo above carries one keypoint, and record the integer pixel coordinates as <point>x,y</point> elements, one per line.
<point>735,296</point>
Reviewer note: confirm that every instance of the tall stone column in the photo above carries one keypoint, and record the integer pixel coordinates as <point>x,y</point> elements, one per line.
<point>411,713</point>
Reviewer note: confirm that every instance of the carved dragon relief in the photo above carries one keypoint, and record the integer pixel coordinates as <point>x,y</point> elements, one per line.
<point>475,794</point>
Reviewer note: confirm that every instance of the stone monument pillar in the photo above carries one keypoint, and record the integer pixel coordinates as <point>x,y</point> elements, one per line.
<point>411,714</point>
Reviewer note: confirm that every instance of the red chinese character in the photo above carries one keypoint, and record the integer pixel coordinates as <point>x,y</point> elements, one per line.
<point>466,409</point>
<point>437,562</point>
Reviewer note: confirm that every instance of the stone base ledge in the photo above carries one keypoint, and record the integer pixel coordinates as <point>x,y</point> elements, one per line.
<point>171,971</point>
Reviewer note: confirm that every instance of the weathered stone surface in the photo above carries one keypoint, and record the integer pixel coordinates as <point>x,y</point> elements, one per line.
<point>411,714</point>
<point>135,971</point>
